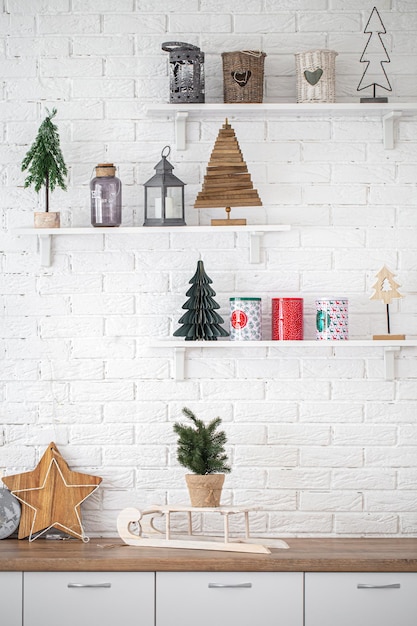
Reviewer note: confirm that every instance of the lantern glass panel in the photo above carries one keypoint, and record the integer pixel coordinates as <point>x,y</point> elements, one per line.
<point>173,203</point>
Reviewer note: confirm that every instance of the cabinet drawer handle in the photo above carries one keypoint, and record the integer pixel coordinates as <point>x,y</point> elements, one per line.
<point>88,585</point>
<point>392,586</point>
<point>231,586</point>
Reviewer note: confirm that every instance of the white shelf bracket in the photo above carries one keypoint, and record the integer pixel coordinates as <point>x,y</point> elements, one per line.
<point>181,129</point>
<point>388,125</point>
<point>255,239</point>
<point>389,361</point>
<point>179,363</point>
<point>45,249</point>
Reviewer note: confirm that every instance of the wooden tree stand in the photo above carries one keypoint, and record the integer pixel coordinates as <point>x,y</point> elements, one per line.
<point>147,535</point>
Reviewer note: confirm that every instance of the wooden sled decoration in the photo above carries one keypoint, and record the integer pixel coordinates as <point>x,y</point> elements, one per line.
<point>147,535</point>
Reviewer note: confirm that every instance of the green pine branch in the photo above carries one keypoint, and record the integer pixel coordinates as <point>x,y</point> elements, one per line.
<point>200,446</point>
<point>44,160</point>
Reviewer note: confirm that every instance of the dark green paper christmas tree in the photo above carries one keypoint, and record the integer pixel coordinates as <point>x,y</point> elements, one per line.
<point>44,160</point>
<point>201,322</point>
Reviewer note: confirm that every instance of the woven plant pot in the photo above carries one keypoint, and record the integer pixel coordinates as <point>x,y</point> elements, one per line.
<point>206,490</point>
<point>49,219</point>
<point>243,76</point>
<point>316,76</point>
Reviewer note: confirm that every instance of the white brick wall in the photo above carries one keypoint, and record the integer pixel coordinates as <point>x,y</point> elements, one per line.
<point>318,438</point>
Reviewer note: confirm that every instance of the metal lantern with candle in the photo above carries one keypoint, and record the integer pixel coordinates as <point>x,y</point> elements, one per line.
<point>164,195</point>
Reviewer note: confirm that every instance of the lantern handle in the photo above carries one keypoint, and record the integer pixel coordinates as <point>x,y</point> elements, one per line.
<point>165,156</point>
<point>169,46</point>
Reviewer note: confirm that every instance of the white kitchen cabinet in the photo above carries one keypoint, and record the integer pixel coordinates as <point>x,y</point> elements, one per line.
<point>11,598</point>
<point>360,599</point>
<point>229,598</point>
<point>88,598</point>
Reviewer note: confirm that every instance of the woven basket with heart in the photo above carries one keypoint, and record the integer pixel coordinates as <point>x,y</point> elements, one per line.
<point>316,78</point>
<point>243,76</point>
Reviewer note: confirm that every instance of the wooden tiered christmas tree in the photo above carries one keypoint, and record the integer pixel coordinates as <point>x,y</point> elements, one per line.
<point>386,289</point>
<point>227,182</point>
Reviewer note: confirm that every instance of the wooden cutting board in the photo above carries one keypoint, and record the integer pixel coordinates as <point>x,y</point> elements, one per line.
<point>51,495</point>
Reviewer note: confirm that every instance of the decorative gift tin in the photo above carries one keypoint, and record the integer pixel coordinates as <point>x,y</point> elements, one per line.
<point>245,319</point>
<point>332,322</point>
<point>287,318</point>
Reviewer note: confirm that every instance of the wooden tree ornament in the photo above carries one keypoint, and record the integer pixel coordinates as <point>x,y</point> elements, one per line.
<point>51,495</point>
<point>386,289</point>
<point>227,182</point>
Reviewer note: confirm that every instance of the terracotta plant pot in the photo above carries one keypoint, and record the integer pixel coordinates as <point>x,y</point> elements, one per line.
<point>48,219</point>
<point>205,491</point>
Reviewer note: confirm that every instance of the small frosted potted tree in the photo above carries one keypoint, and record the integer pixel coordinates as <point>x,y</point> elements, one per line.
<point>201,450</point>
<point>46,168</point>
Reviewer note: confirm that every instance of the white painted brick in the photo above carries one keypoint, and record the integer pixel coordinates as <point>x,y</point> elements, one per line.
<point>67,413</point>
<point>329,22</point>
<point>72,370</point>
<point>297,390</point>
<point>135,412</point>
<point>11,413</point>
<point>109,435</point>
<point>298,434</point>
<point>365,524</point>
<point>38,46</point>
<point>192,23</point>
<point>210,368</point>
<point>268,411</point>
<point>289,43</point>
<point>37,391</point>
<point>384,500</point>
<point>300,523</point>
<point>267,368</point>
<point>331,457</point>
<point>363,479</point>
<point>303,130</point>
<point>372,390</point>
<point>134,369</point>
<point>104,391</point>
<point>365,435</point>
<point>349,202</point>
<point>103,304</point>
<point>68,24</point>
<point>232,390</point>
<point>394,457</point>
<point>70,327</point>
<point>41,437</point>
<point>17,458</point>
<point>330,501</point>
<point>270,22</point>
<point>38,6</point>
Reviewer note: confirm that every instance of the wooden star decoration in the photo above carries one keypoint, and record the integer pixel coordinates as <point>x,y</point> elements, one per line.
<point>51,495</point>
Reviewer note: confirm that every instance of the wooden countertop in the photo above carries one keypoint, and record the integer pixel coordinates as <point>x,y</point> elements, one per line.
<point>303,555</point>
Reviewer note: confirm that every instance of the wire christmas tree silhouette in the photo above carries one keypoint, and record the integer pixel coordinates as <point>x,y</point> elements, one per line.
<point>374,55</point>
<point>44,159</point>
<point>386,289</point>
<point>201,322</point>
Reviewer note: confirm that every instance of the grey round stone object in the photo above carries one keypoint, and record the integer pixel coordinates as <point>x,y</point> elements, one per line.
<point>10,511</point>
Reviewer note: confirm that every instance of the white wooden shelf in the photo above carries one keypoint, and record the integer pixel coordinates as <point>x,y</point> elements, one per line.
<point>255,232</point>
<point>388,112</point>
<point>181,346</point>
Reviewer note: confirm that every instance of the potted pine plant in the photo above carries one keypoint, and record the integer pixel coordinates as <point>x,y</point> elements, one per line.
<point>201,450</point>
<point>46,167</point>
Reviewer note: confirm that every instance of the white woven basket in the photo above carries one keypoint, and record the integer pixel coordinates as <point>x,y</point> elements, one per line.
<point>315,70</point>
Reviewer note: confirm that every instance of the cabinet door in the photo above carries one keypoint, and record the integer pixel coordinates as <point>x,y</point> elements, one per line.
<point>361,599</point>
<point>11,598</point>
<point>87,598</point>
<point>227,599</point>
